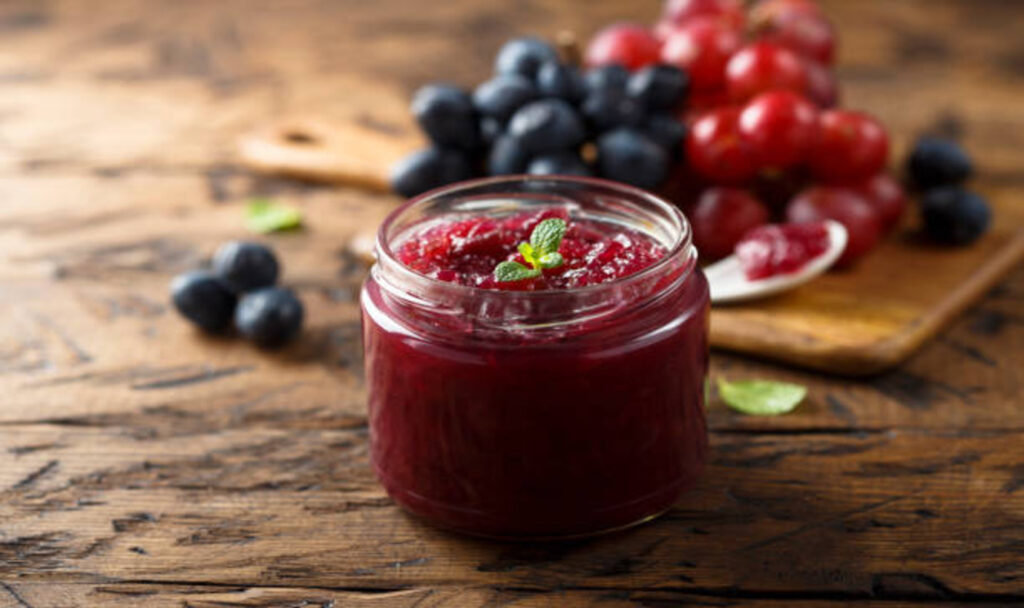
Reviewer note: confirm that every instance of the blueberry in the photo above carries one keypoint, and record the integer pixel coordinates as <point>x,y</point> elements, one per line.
<point>508,157</point>
<point>611,108</point>
<point>502,95</point>
<point>428,169</point>
<point>954,216</point>
<point>547,125</point>
<point>558,163</point>
<point>446,115</point>
<point>203,299</point>
<point>666,131</point>
<point>490,130</point>
<point>938,162</point>
<point>523,56</point>
<point>659,87</point>
<point>627,155</point>
<point>269,317</point>
<point>611,76</point>
<point>245,266</point>
<point>561,81</point>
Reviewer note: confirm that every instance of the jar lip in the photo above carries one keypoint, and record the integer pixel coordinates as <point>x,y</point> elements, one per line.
<point>681,244</point>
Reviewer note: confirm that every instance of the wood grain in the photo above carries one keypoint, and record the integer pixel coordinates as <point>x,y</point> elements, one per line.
<point>142,463</point>
<point>300,507</point>
<point>226,596</point>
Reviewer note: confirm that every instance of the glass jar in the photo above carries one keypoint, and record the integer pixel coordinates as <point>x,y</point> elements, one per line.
<point>537,414</point>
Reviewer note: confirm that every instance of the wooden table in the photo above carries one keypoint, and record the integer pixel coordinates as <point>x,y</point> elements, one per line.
<point>144,465</point>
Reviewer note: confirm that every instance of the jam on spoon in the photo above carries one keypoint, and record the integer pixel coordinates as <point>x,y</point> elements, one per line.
<point>780,248</point>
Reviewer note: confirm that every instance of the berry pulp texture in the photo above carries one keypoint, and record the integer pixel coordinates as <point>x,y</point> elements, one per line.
<point>466,251</point>
<point>781,249</point>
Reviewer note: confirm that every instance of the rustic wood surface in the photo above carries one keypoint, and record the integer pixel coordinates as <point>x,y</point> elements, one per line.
<point>142,464</point>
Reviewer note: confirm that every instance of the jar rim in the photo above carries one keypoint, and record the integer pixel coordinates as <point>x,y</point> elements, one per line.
<point>682,242</point>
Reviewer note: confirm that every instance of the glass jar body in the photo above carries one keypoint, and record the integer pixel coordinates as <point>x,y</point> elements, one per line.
<point>543,431</point>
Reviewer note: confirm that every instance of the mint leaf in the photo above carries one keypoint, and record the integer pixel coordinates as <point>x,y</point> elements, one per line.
<point>528,254</point>
<point>547,235</point>
<point>514,271</point>
<point>263,216</point>
<point>551,260</point>
<point>761,397</point>
<point>540,253</point>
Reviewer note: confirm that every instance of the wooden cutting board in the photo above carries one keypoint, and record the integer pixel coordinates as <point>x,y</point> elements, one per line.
<point>854,322</point>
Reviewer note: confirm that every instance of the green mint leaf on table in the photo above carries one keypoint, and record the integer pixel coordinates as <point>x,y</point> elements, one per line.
<point>263,216</point>
<point>540,253</point>
<point>514,271</point>
<point>761,397</point>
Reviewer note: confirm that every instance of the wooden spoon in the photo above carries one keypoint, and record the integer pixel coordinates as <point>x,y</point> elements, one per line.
<point>357,153</point>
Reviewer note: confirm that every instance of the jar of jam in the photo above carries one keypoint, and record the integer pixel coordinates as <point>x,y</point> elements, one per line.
<point>563,405</point>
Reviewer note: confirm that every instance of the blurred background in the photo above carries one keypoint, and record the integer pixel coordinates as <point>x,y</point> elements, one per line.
<point>170,85</point>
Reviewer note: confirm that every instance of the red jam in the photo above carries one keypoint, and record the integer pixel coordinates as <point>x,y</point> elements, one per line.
<point>466,251</point>
<point>547,413</point>
<point>777,249</point>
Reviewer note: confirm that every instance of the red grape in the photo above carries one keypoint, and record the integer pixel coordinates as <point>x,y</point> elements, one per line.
<point>844,206</point>
<point>886,195</point>
<point>700,102</point>
<point>822,87</point>
<point>808,34</point>
<point>766,11</point>
<point>683,186</point>
<point>721,218</point>
<point>682,11</point>
<point>702,48</point>
<point>848,146</point>
<point>761,67</point>
<point>715,149</point>
<point>663,29</point>
<point>776,188</point>
<point>779,127</point>
<point>632,46</point>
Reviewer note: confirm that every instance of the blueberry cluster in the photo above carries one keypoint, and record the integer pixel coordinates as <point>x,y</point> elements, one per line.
<point>541,116</point>
<point>950,213</point>
<point>240,288</point>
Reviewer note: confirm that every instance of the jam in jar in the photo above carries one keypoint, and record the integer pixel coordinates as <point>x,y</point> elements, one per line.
<point>566,404</point>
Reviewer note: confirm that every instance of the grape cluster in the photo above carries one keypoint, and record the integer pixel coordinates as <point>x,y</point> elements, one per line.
<point>539,115</point>
<point>766,141</point>
<point>731,114</point>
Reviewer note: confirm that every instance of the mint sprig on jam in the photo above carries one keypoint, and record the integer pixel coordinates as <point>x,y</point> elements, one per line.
<point>540,253</point>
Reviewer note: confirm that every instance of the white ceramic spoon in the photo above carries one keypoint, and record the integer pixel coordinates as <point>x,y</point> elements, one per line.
<point>730,284</point>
